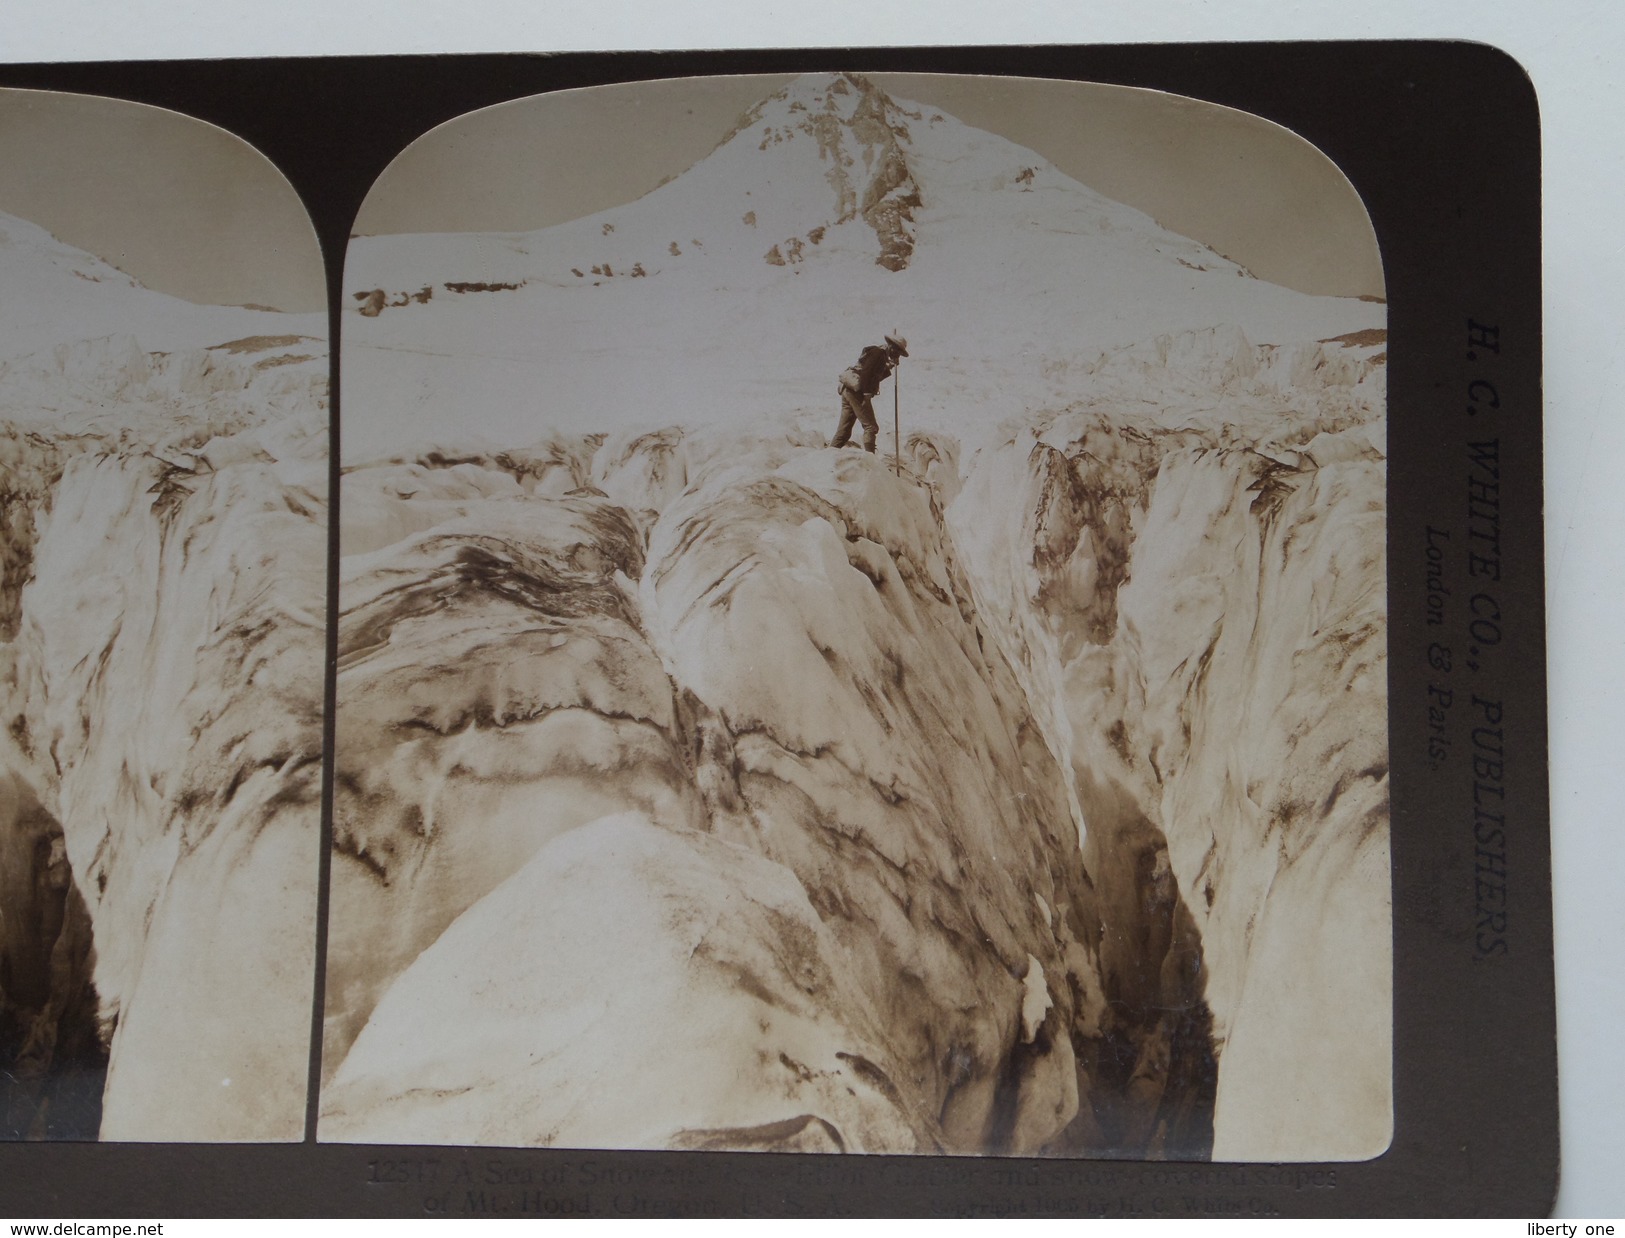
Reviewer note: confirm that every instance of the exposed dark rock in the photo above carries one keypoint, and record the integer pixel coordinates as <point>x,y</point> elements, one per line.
<point>53,1059</point>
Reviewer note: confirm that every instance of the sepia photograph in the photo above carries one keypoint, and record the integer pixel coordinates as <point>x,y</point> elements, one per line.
<point>163,549</point>
<point>862,628</point>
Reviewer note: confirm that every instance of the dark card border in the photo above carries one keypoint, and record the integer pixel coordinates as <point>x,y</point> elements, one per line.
<point>1442,142</point>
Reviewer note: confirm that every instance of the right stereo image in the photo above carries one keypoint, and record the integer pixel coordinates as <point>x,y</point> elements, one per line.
<point>863,627</point>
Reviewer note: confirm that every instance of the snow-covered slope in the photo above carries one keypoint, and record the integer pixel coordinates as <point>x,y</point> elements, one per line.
<point>699,786</point>
<point>162,527</point>
<point>55,293</point>
<point>832,214</point>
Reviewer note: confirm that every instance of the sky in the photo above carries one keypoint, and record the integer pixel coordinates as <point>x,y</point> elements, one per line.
<point>182,206</point>
<point>1245,187</point>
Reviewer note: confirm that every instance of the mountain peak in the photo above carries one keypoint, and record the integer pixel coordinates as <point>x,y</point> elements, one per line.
<point>862,143</point>
<point>840,95</point>
<point>821,182</point>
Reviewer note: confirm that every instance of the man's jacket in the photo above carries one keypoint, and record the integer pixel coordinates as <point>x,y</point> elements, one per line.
<point>872,367</point>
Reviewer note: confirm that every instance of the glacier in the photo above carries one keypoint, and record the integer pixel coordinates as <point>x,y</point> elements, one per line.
<point>751,737</point>
<point>163,496</point>
<point>699,786</point>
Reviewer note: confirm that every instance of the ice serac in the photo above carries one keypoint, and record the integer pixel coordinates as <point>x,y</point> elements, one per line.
<point>1200,605</point>
<point>742,839</point>
<point>161,635</point>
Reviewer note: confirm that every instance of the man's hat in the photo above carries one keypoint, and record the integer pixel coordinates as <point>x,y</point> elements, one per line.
<point>899,343</point>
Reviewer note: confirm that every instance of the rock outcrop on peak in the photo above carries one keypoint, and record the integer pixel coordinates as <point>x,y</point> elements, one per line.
<point>862,138</point>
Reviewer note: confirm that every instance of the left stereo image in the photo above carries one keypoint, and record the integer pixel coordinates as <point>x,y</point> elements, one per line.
<point>163,534</point>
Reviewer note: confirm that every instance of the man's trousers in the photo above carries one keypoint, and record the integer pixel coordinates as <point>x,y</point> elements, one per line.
<point>855,407</point>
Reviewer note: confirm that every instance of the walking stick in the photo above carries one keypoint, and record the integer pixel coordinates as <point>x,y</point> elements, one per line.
<point>896,431</point>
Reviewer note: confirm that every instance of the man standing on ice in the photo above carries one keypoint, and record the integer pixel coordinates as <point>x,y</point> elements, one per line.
<point>861,382</point>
